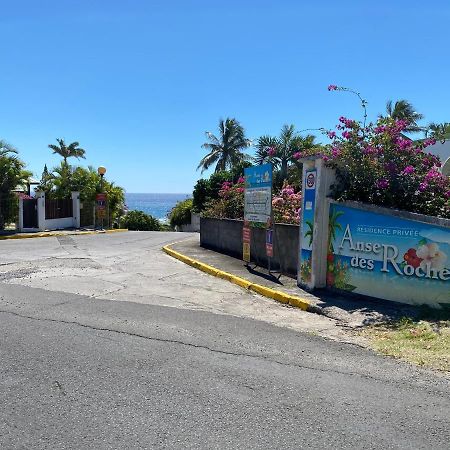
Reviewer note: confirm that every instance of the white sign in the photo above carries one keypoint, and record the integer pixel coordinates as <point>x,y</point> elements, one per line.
<point>258,204</point>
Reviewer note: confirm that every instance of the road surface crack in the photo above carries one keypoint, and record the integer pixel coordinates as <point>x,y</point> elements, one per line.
<point>200,346</point>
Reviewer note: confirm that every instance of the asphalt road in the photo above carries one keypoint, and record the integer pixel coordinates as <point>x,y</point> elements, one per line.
<point>80,371</point>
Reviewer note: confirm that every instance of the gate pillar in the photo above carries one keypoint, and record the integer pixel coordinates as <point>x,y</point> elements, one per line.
<point>40,197</point>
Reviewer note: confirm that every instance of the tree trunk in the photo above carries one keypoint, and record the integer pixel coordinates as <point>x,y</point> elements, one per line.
<point>284,167</point>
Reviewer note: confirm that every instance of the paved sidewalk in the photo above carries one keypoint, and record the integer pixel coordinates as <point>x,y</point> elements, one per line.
<point>351,311</point>
<point>66,232</point>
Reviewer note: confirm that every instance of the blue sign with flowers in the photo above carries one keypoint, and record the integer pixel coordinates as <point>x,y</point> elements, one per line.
<point>388,257</point>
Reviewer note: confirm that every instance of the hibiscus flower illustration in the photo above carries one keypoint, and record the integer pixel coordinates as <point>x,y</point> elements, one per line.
<point>432,256</point>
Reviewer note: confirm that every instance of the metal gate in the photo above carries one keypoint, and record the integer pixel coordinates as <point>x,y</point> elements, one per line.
<point>30,213</point>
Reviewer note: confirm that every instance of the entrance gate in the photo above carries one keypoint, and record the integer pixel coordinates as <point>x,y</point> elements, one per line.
<point>30,213</point>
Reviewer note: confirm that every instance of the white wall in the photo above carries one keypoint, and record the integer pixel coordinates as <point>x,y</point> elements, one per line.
<point>54,224</point>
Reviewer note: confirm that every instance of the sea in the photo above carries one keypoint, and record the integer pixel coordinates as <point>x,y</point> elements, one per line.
<point>157,205</point>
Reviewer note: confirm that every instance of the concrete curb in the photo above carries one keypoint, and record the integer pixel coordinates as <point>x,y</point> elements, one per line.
<point>279,296</point>
<point>55,234</point>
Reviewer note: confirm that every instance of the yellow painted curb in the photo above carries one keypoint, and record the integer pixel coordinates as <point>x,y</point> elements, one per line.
<point>56,234</point>
<point>279,296</point>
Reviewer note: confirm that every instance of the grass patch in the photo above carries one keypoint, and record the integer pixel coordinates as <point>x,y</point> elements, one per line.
<point>424,340</point>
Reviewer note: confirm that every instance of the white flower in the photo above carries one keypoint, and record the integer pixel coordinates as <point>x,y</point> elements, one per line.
<point>431,256</point>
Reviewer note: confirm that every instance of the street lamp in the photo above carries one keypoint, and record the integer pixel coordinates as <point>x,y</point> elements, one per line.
<point>101,171</point>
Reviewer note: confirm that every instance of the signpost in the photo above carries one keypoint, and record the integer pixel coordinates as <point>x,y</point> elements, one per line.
<point>101,200</point>
<point>269,243</point>
<point>258,194</point>
<point>257,206</point>
<point>246,238</point>
<point>307,226</point>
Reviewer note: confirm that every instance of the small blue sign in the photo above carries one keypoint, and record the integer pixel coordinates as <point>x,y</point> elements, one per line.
<point>258,176</point>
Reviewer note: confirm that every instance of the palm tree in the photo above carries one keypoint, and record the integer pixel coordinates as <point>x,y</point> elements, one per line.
<point>280,150</point>
<point>225,150</point>
<point>404,110</point>
<point>6,148</point>
<point>438,131</point>
<point>67,151</point>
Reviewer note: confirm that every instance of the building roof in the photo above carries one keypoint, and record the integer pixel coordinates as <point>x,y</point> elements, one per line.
<point>440,149</point>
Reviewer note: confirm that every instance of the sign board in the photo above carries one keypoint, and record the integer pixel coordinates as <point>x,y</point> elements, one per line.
<point>307,226</point>
<point>246,239</point>
<point>101,213</point>
<point>258,194</point>
<point>269,243</point>
<point>388,257</point>
<point>101,201</point>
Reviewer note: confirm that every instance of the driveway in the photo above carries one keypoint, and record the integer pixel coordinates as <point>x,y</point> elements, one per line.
<point>106,342</point>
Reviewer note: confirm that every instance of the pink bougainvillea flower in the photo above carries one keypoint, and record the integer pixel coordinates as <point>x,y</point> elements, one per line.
<point>403,143</point>
<point>432,174</point>
<point>408,170</point>
<point>370,150</point>
<point>271,151</point>
<point>427,142</point>
<point>346,135</point>
<point>297,155</point>
<point>241,180</point>
<point>400,124</point>
<point>390,167</point>
<point>331,134</point>
<point>380,129</point>
<point>423,186</point>
<point>335,152</point>
<point>332,87</point>
<point>383,183</point>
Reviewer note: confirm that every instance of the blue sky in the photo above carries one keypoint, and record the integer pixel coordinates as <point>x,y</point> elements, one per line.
<point>137,82</point>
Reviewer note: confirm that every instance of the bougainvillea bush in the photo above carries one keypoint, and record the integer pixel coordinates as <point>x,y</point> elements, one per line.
<point>230,204</point>
<point>286,205</point>
<point>378,164</point>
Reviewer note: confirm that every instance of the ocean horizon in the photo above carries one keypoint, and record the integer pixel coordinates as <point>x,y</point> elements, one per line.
<point>156,204</point>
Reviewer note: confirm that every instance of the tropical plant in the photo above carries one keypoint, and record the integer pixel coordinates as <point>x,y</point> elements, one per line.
<point>139,221</point>
<point>438,131</point>
<point>66,179</point>
<point>284,150</point>
<point>226,151</point>
<point>404,110</point>
<point>6,149</point>
<point>12,175</point>
<point>377,164</point>
<point>229,204</point>
<point>206,190</point>
<point>72,150</point>
<point>286,205</point>
<point>181,213</point>
<point>46,182</point>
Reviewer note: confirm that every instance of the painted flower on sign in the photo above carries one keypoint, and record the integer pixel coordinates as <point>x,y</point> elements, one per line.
<point>431,256</point>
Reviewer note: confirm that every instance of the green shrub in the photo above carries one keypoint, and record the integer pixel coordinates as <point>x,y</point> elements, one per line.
<point>139,221</point>
<point>229,204</point>
<point>181,213</point>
